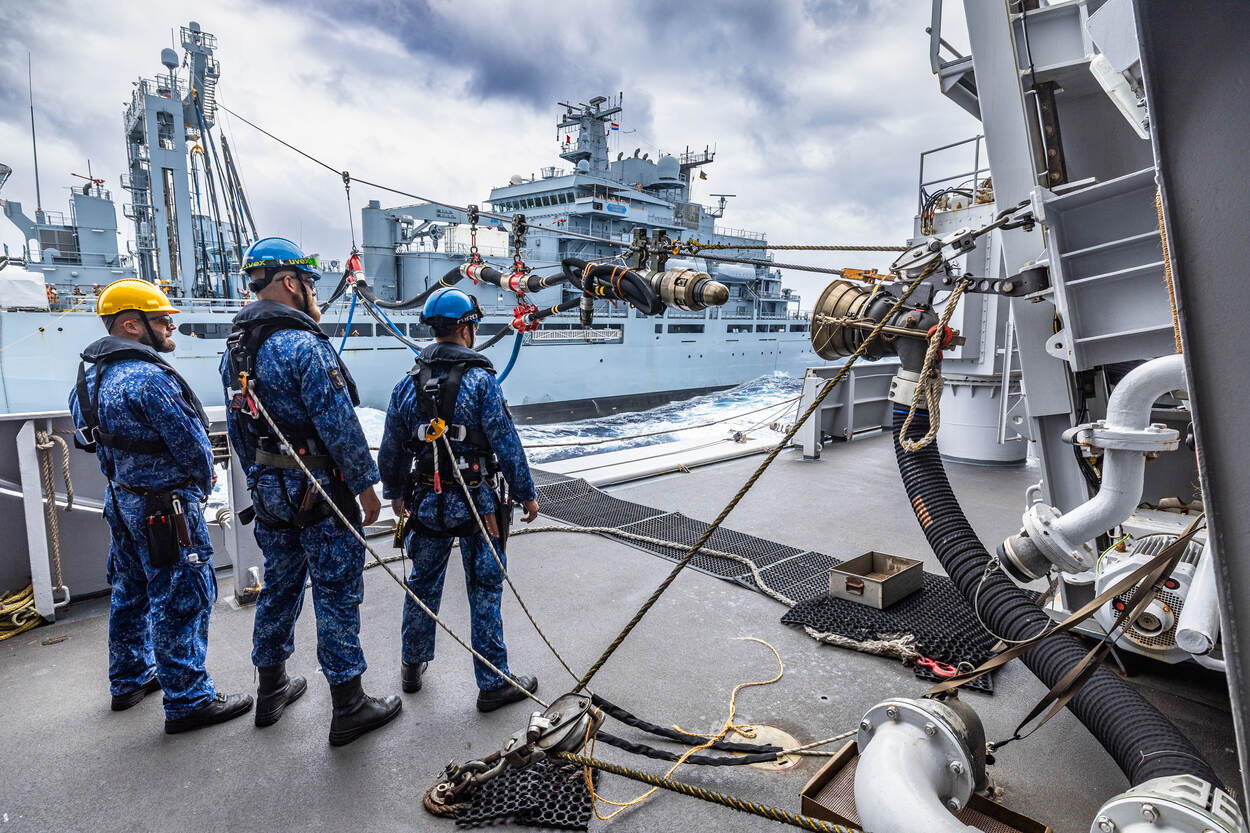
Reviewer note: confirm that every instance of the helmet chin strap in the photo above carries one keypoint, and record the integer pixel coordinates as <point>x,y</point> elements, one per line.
<point>154,343</point>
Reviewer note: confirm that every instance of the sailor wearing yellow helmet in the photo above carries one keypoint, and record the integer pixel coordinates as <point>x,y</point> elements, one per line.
<point>150,434</point>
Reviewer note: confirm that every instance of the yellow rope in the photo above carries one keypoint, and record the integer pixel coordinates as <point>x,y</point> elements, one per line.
<point>727,727</point>
<point>18,613</point>
<point>36,331</point>
<point>1167,271</point>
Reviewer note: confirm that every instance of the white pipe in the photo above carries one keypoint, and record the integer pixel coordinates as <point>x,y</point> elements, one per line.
<point>1123,471</point>
<point>897,783</point>
<point>1199,625</point>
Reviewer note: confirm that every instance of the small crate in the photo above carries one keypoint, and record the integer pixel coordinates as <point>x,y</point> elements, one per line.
<point>876,579</point>
<point>830,795</point>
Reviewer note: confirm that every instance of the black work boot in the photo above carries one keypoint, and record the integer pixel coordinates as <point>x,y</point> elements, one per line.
<point>410,674</point>
<point>275,692</point>
<point>121,702</point>
<point>221,708</point>
<point>488,701</point>
<point>356,713</point>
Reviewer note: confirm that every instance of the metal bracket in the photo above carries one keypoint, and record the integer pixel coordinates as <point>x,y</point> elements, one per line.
<point>1153,438</point>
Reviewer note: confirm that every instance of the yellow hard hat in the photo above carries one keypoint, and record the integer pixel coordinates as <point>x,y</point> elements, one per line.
<point>132,293</point>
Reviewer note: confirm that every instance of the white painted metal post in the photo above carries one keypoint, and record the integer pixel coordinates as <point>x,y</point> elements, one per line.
<point>36,531</point>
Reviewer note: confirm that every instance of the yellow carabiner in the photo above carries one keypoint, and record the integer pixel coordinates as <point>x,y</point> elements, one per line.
<point>435,430</point>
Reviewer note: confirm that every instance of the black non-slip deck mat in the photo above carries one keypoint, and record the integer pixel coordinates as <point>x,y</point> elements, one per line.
<point>937,616</point>
<point>549,794</point>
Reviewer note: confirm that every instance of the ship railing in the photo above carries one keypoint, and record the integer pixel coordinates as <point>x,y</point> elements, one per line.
<point>54,218</point>
<point>742,233</point>
<point>484,251</point>
<point>973,179</point>
<point>553,172</point>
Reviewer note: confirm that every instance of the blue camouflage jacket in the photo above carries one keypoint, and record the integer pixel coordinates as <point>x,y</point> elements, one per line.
<point>302,387</point>
<point>139,400</point>
<point>479,406</point>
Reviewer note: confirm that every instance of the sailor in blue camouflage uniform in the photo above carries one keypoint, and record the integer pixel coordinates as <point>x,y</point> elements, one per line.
<point>149,432</point>
<point>295,373</point>
<point>452,382</point>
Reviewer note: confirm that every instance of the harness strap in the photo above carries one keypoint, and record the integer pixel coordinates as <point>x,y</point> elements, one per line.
<point>278,460</point>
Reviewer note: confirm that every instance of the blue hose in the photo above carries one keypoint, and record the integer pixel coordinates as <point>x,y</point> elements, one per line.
<point>347,328</point>
<point>516,349</point>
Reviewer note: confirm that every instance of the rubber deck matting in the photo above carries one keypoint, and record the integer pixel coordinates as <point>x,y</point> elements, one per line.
<point>940,619</point>
<point>548,794</point>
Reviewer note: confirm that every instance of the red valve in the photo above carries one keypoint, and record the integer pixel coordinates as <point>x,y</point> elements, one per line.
<point>519,314</point>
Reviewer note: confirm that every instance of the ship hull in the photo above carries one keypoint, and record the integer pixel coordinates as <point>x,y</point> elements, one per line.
<point>554,379</point>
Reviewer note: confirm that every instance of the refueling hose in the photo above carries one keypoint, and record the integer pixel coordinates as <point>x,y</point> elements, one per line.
<point>1143,742</point>
<point>516,349</point>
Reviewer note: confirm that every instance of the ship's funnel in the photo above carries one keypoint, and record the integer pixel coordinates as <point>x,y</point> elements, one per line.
<point>688,289</point>
<point>5,172</point>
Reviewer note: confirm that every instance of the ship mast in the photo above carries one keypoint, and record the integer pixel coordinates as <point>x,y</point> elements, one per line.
<point>34,147</point>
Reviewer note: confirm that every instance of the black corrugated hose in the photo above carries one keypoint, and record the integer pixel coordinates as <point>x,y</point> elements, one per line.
<point>1144,743</point>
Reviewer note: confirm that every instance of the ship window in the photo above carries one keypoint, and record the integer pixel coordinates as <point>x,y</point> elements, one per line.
<point>420,331</point>
<point>489,329</point>
<point>205,330</point>
<point>798,328</point>
<point>685,328</point>
<point>384,330</point>
<point>358,329</point>
<point>770,328</point>
<point>659,328</point>
<point>738,328</point>
<point>546,201</point>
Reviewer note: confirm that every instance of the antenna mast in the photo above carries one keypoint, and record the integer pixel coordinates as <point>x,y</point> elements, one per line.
<point>30,88</point>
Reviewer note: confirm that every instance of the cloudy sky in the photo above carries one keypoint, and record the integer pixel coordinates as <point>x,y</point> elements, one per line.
<point>818,109</point>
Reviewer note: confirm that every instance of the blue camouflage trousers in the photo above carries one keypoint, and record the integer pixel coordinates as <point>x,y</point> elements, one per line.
<point>484,582</point>
<point>158,619</point>
<point>329,555</point>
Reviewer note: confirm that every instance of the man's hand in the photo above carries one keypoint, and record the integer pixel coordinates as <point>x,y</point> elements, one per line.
<point>370,506</point>
<point>531,510</point>
<point>397,506</point>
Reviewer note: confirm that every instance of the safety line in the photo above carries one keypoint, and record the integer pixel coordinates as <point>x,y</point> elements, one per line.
<point>351,313</point>
<point>739,804</point>
<point>481,526</point>
<point>290,452</point>
<point>746,487</point>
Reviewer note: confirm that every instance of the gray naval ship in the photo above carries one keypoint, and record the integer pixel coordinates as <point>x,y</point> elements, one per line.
<point>192,223</point>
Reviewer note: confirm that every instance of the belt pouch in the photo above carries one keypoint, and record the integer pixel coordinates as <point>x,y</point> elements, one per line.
<point>160,528</point>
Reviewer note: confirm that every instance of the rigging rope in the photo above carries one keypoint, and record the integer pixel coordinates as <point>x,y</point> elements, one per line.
<point>694,247</point>
<point>289,451</point>
<point>751,481</point>
<point>44,443</point>
<point>739,804</point>
<point>725,728</point>
<point>929,385</point>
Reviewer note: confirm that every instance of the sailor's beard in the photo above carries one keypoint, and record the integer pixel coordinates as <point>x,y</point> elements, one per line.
<point>310,305</point>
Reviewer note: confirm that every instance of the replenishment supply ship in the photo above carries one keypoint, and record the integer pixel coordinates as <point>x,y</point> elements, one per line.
<point>192,220</point>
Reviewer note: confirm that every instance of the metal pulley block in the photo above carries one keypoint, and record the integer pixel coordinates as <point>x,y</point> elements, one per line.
<point>923,254</point>
<point>563,727</point>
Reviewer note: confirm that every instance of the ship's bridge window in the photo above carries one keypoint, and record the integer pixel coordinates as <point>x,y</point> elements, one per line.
<point>358,329</point>
<point>205,330</point>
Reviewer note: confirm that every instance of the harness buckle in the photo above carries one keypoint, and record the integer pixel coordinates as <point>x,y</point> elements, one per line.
<point>436,428</point>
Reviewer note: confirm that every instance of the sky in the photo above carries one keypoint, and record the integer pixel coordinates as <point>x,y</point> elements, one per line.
<point>817,109</point>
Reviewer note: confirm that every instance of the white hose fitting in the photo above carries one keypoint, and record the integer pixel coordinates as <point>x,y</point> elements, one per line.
<point>918,766</point>
<point>1126,437</point>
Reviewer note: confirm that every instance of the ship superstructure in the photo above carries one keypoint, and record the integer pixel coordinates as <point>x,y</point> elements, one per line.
<point>192,222</point>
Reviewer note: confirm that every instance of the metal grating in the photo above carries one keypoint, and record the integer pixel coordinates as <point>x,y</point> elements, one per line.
<point>681,529</point>
<point>805,576</point>
<point>598,509</point>
<point>546,478</point>
<point>554,493</point>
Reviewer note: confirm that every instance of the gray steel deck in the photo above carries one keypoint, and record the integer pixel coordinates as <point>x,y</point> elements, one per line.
<point>71,764</point>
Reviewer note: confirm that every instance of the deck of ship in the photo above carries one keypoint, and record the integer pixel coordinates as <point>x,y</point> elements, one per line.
<point>71,764</point>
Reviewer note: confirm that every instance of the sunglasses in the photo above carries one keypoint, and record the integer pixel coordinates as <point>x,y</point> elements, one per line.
<point>166,321</point>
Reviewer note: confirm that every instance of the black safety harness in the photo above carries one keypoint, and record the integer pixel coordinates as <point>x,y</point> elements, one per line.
<point>252,328</point>
<point>102,354</point>
<point>165,518</point>
<point>436,398</point>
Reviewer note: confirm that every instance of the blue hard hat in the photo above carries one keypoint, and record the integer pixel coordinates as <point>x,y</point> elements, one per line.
<point>277,253</point>
<point>450,306</point>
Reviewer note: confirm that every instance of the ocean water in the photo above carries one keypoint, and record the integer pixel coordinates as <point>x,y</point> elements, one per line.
<point>752,406</point>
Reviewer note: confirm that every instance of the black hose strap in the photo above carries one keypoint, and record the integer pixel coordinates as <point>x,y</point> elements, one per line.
<point>1143,742</point>
<point>617,713</point>
<point>697,760</point>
